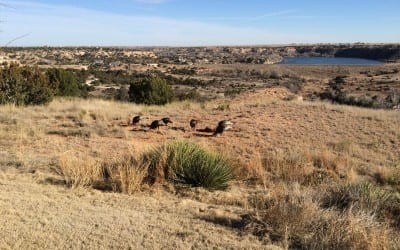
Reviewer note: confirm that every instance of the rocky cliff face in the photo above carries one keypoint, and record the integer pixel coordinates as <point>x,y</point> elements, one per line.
<point>385,53</point>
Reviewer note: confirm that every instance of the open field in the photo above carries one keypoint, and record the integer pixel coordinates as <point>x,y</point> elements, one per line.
<point>289,158</point>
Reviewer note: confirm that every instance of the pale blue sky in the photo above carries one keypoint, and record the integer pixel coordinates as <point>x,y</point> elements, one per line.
<point>197,22</point>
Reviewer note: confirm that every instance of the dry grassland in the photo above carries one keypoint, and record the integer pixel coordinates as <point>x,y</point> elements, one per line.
<point>307,176</point>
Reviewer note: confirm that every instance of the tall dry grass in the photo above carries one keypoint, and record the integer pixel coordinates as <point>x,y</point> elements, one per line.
<point>79,170</point>
<point>124,173</point>
<point>179,162</point>
<point>312,200</point>
<point>304,166</point>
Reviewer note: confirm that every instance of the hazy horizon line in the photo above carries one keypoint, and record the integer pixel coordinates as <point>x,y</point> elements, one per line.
<point>194,46</point>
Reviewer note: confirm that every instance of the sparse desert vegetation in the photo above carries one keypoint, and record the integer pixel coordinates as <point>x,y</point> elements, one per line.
<point>298,170</point>
<point>173,124</point>
<point>293,174</point>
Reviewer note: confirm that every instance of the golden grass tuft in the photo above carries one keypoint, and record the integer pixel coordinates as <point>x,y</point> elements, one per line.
<point>79,170</point>
<point>307,167</point>
<point>121,174</point>
<point>346,231</point>
<point>126,173</point>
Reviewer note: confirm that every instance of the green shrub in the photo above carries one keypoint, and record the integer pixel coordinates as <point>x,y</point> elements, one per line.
<point>188,164</point>
<point>27,85</point>
<point>184,71</point>
<point>151,90</point>
<point>64,83</point>
<point>115,77</point>
<point>24,86</point>
<point>191,95</point>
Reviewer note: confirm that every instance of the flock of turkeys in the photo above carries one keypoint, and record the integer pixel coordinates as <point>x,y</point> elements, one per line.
<point>221,126</point>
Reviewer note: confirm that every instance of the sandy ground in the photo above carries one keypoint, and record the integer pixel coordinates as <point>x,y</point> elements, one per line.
<point>36,216</point>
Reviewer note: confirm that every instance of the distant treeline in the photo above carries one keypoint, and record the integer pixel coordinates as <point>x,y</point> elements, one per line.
<point>122,77</point>
<point>23,85</point>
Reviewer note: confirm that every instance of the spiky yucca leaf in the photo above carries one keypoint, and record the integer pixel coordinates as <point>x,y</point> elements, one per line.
<point>188,164</point>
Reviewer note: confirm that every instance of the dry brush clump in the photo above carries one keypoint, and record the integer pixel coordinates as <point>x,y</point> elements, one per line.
<point>365,197</point>
<point>179,162</point>
<point>123,173</point>
<point>78,170</point>
<point>307,167</point>
<point>310,201</point>
<point>389,176</point>
<point>294,219</point>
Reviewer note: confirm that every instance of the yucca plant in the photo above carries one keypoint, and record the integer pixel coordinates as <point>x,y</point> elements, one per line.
<point>188,164</point>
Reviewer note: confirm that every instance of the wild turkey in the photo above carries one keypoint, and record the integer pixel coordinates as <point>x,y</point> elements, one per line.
<point>193,123</point>
<point>166,120</point>
<point>206,130</point>
<point>223,126</point>
<point>155,125</point>
<point>136,120</point>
